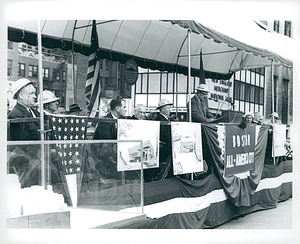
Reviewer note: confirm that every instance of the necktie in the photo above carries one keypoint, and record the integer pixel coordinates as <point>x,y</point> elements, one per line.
<point>32,113</point>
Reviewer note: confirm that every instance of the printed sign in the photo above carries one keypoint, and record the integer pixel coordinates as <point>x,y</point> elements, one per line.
<point>239,149</point>
<point>187,147</point>
<point>279,139</point>
<point>130,154</point>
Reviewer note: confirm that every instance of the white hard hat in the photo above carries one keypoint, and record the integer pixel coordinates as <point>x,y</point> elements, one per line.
<point>18,85</point>
<point>203,88</point>
<point>48,97</point>
<point>163,102</point>
<point>275,115</point>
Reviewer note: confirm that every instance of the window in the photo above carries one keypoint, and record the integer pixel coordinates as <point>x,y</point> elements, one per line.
<point>32,71</point>
<point>106,82</point>
<point>56,75</point>
<point>276,26</point>
<point>64,75</point>
<point>287,28</point>
<point>23,48</point>
<point>154,83</point>
<point>9,45</point>
<point>106,64</point>
<point>21,70</point>
<point>9,67</point>
<point>45,73</point>
<point>101,63</point>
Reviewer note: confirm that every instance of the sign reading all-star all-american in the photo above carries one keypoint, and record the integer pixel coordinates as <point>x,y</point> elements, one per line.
<point>131,71</point>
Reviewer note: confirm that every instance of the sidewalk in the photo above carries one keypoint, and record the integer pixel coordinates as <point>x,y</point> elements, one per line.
<point>276,218</point>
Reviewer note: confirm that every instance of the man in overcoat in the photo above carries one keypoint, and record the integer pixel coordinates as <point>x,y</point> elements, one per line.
<point>199,108</point>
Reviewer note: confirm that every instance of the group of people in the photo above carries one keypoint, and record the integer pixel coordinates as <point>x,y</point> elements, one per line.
<point>25,94</point>
<point>257,118</point>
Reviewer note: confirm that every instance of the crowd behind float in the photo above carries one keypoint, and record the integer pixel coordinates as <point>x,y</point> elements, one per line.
<point>27,107</point>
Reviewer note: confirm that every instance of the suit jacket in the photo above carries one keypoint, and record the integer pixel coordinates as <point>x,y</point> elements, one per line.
<point>165,138</point>
<point>23,131</point>
<point>200,112</point>
<point>106,130</point>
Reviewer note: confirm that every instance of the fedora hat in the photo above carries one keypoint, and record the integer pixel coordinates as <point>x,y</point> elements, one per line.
<point>163,102</point>
<point>202,88</point>
<point>18,85</point>
<point>74,108</point>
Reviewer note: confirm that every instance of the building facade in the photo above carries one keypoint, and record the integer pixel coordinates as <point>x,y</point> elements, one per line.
<point>22,62</point>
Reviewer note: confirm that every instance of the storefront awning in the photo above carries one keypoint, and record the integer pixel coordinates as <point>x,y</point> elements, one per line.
<point>155,44</point>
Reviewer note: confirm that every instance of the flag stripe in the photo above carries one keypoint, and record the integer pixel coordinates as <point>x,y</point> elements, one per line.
<point>93,86</point>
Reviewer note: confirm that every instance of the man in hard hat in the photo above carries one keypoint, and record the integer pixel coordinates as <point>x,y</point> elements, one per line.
<point>274,118</point>
<point>50,102</point>
<point>24,93</point>
<point>199,110</point>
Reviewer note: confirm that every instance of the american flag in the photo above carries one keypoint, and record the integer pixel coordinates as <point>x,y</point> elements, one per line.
<point>93,85</point>
<point>69,154</point>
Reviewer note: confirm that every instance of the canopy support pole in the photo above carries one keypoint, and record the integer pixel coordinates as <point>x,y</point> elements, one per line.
<point>189,81</point>
<point>73,66</point>
<point>189,73</point>
<point>273,103</point>
<point>40,86</point>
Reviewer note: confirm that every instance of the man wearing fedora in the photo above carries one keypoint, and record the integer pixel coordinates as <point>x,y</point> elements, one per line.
<point>165,147</point>
<point>24,93</point>
<point>199,109</point>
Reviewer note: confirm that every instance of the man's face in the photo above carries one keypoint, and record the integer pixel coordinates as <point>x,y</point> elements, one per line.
<point>27,96</point>
<point>165,110</point>
<point>202,95</point>
<point>122,109</point>
<point>141,113</point>
<point>52,107</point>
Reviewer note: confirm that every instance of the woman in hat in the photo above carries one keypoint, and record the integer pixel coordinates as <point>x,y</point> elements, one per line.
<point>247,120</point>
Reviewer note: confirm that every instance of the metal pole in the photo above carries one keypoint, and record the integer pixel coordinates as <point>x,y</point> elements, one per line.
<point>189,73</point>
<point>272,86</point>
<point>189,78</point>
<point>142,177</point>
<point>73,67</point>
<point>40,67</point>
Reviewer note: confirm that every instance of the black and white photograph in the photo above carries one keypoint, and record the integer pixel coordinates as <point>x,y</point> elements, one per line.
<point>150,122</point>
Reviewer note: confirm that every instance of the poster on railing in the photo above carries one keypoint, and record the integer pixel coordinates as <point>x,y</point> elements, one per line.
<point>187,147</point>
<point>279,140</point>
<point>239,149</point>
<point>131,153</point>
